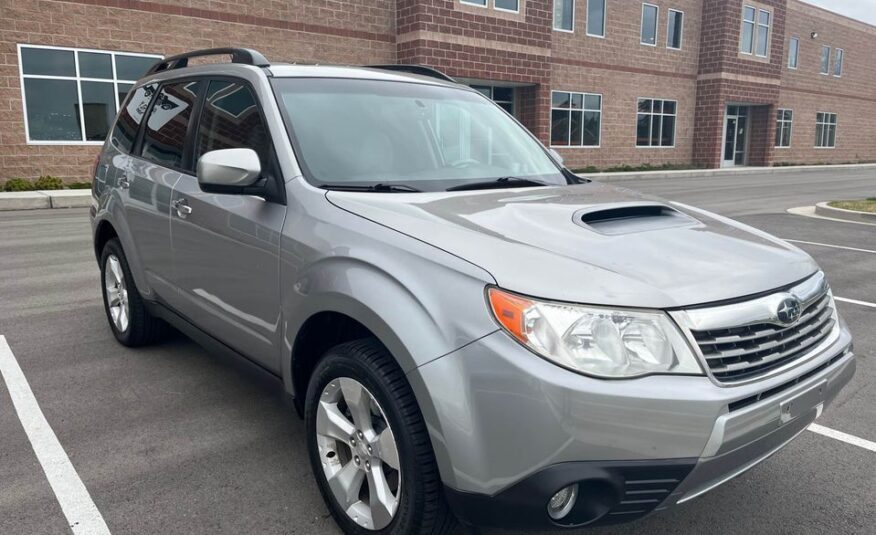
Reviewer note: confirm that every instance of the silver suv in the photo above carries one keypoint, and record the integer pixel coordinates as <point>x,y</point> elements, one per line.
<point>469,330</point>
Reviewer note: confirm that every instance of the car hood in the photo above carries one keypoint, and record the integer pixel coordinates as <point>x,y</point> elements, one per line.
<point>592,243</point>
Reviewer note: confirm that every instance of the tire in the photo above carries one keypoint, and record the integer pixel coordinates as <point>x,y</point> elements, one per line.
<point>421,507</point>
<point>139,328</point>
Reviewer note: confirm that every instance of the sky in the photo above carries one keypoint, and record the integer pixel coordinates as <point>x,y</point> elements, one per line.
<point>864,10</point>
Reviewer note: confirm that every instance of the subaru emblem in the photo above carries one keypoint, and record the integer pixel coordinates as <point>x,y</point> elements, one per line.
<point>788,311</point>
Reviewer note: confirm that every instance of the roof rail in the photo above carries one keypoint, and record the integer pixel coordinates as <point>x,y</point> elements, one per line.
<point>415,69</point>
<point>245,56</point>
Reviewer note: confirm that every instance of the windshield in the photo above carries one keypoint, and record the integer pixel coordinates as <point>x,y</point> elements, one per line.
<point>364,132</point>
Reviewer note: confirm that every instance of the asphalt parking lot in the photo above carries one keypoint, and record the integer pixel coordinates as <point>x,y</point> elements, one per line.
<point>171,439</point>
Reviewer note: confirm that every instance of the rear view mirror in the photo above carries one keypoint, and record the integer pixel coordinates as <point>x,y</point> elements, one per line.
<point>229,171</point>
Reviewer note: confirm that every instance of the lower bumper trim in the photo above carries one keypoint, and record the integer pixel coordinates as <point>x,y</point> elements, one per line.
<point>608,492</point>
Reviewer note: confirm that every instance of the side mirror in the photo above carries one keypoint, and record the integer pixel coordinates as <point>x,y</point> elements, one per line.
<point>556,156</point>
<point>229,171</point>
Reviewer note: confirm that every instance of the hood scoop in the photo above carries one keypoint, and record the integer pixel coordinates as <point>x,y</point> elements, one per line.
<point>626,218</point>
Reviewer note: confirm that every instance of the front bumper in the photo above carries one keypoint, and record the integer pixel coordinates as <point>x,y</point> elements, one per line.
<point>510,429</point>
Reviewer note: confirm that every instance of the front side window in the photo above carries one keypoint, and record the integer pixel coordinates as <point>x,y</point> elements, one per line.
<point>368,132</point>
<point>784,120</point>
<point>564,15</point>
<point>825,130</point>
<point>674,29</point>
<point>596,18</point>
<point>838,62</point>
<point>164,140</point>
<point>576,119</point>
<point>72,95</point>
<point>650,14</point>
<point>655,125</point>
<point>231,119</point>
<point>755,38</point>
<point>793,52</point>
<point>825,60</point>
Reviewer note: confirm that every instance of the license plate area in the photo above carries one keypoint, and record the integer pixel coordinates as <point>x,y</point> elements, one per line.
<point>803,403</point>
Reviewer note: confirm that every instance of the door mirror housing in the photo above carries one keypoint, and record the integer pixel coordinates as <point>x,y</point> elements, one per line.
<point>556,156</point>
<point>230,171</point>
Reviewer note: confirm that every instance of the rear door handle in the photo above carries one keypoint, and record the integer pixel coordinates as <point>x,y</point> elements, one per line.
<point>124,183</point>
<point>182,208</point>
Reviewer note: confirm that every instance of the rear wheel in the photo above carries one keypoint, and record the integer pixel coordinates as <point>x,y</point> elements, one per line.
<point>368,445</point>
<point>130,322</point>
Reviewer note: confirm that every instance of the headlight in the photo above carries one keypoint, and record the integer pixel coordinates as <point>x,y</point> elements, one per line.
<point>596,341</point>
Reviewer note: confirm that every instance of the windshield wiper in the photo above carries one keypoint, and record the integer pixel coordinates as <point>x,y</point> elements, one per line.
<point>504,182</point>
<point>380,188</point>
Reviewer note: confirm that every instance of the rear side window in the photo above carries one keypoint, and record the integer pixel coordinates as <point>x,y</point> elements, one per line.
<point>165,139</point>
<point>130,118</point>
<point>231,120</point>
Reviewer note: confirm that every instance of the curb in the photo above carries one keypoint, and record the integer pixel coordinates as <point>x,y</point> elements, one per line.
<point>824,210</point>
<point>709,173</point>
<point>37,200</point>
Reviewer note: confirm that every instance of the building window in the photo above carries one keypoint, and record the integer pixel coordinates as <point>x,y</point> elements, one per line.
<point>499,5</point>
<point>793,52</point>
<point>650,14</point>
<point>576,119</point>
<point>596,18</point>
<point>825,130</point>
<point>71,95</point>
<point>825,60</point>
<point>674,29</point>
<point>507,5</point>
<point>655,126</point>
<point>503,96</point>
<point>755,31</point>
<point>784,119</point>
<point>564,15</point>
<point>838,62</point>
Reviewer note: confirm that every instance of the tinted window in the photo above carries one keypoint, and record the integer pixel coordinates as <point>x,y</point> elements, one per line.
<point>165,138</point>
<point>231,120</point>
<point>52,109</point>
<point>130,118</point>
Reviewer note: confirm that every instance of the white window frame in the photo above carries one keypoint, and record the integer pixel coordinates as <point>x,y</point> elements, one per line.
<point>796,55</point>
<point>769,32</point>
<point>839,61</point>
<point>78,79</point>
<point>583,109</point>
<point>680,30</point>
<point>554,21</point>
<point>753,24</point>
<point>506,10</point>
<point>656,25</point>
<point>822,69</point>
<point>784,124</point>
<point>604,20</point>
<point>650,128</point>
<point>475,3</point>
<point>825,134</point>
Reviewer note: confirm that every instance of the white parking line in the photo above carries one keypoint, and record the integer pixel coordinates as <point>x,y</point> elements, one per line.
<point>82,515</point>
<point>831,246</point>
<point>843,437</point>
<point>855,302</point>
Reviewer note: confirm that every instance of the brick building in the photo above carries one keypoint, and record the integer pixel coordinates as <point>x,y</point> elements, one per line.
<point>604,82</point>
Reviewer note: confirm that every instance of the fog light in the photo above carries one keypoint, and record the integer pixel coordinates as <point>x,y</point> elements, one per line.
<point>562,502</point>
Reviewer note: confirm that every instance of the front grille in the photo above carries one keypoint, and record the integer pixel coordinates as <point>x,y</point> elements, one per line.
<point>745,352</point>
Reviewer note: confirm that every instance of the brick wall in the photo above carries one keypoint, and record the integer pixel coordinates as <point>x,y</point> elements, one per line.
<point>350,32</point>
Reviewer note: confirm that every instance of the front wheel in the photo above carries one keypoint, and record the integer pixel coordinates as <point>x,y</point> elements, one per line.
<point>368,445</point>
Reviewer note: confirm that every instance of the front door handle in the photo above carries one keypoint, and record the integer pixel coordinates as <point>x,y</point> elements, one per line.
<point>182,208</point>
<point>124,183</point>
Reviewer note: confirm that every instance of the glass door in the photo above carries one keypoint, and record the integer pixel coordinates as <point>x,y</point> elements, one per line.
<point>735,136</point>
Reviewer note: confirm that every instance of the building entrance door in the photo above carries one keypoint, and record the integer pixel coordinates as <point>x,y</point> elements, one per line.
<point>735,136</point>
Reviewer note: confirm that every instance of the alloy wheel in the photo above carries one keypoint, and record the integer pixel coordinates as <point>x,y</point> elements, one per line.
<point>116,293</point>
<point>359,453</point>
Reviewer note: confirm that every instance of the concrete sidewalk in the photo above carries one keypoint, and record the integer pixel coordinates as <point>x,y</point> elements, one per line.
<point>726,172</point>
<point>35,200</point>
